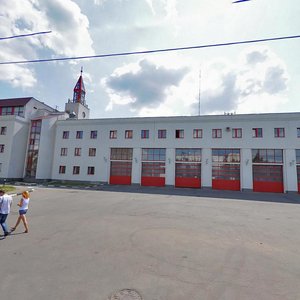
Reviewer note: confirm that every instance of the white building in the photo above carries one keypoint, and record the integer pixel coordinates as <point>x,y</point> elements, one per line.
<point>259,152</point>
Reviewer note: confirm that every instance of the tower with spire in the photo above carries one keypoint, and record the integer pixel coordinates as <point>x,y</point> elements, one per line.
<point>77,108</point>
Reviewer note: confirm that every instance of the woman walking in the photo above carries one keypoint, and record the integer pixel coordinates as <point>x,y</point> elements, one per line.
<point>23,204</point>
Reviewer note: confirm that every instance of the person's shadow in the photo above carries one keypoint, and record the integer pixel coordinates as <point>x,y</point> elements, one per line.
<point>3,237</point>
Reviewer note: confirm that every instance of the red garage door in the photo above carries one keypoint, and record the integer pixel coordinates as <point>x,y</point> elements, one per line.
<point>153,167</point>
<point>298,176</point>
<point>226,169</point>
<point>267,170</point>
<point>188,167</point>
<point>120,166</point>
<point>298,167</point>
<point>267,178</point>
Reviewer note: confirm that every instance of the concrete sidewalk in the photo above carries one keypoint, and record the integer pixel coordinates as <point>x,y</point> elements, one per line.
<point>88,244</point>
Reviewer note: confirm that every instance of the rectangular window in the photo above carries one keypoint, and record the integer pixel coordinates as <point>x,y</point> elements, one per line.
<point>153,154</point>
<point>113,134</point>
<point>267,156</point>
<point>128,134</point>
<point>77,152</point>
<point>257,132</point>
<point>162,134</point>
<point>63,151</point>
<point>65,135</point>
<point>298,156</point>
<point>79,134</point>
<point>91,170</point>
<point>279,132</point>
<point>1,148</point>
<point>145,134</point>
<point>188,155</point>
<point>62,169</point>
<point>3,130</point>
<point>0,167</point>
<point>216,133</point>
<point>225,155</point>
<point>197,133</point>
<point>7,111</point>
<point>76,170</point>
<point>94,134</point>
<point>179,133</point>
<point>298,132</point>
<point>236,133</point>
<point>19,111</point>
<point>92,151</point>
<point>121,154</point>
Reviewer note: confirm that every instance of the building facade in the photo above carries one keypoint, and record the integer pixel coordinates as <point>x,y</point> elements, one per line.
<point>259,152</point>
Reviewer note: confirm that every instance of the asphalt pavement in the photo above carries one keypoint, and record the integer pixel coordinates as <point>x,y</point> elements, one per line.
<point>153,244</point>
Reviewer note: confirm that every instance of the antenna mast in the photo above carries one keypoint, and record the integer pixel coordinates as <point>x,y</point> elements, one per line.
<point>199,96</point>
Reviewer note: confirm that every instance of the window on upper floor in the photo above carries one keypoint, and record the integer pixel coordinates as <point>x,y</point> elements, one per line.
<point>65,135</point>
<point>162,133</point>
<point>236,133</point>
<point>216,133</point>
<point>62,170</point>
<point>128,134</point>
<point>3,130</point>
<point>63,151</point>
<point>1,148</point>
<point>298,132</point>
<point>94,134</point>
<point>197,133</point>
<point>19,111</point>
<point>0,167</point>
<point>76,170</point>
<point>257,132</point>
<point>179,133</point>
<point>298,157</point>
<point>79,134</point>
<point>6,110</point>
<point>77,152</point>
<point>91,170</point>
<point>113,134</point>
<point>279,132</point>
<point>92,151</point>
<point>145,134</point>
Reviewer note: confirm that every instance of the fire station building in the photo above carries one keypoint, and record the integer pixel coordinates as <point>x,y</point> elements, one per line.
<point>259,152</point>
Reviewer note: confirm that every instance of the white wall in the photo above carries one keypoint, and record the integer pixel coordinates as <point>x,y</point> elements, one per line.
<point>15,142</point>
<point>103,144</point>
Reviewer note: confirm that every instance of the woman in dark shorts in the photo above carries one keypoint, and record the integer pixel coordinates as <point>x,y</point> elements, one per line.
<point>23,204</point>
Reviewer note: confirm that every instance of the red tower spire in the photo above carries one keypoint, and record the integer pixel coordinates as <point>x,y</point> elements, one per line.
<point>79,91</point>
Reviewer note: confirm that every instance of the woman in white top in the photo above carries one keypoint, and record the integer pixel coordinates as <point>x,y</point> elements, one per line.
<point>23,204</point>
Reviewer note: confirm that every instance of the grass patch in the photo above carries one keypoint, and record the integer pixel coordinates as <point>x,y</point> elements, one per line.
<point>7,188</point>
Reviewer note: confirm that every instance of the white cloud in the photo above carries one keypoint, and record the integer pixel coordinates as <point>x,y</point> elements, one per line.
<point>17,76</point>
<point>70,33</point>
<point>153,87</point>
<point>257,81</point>
<point>146,86</point>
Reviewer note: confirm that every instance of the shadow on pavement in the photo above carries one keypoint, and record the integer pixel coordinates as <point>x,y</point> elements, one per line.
<point>221,194</point>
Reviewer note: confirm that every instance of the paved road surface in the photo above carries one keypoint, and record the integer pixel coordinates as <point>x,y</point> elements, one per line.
<point>86,245</point>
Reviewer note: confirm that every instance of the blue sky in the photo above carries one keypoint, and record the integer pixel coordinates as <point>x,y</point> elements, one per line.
<point>253,78</point>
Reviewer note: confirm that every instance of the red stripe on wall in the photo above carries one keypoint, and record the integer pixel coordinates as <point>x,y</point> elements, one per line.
<point>120,180</point>
<point>187,182</point>
<point>153,181</point>
<point>231,185</point>
<point>268,186</point>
